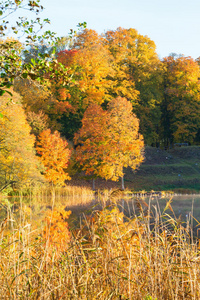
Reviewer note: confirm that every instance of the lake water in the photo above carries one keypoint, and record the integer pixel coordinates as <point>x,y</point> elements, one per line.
<point>185,207</point>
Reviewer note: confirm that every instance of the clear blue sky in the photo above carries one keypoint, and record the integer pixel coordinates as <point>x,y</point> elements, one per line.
<point>174,25</point>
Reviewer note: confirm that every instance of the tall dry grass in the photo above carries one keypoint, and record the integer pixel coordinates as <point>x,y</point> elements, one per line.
<point>150,255</point>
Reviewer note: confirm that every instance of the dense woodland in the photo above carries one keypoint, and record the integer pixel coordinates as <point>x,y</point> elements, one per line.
<point>164,93</point>
<point>90,102</point>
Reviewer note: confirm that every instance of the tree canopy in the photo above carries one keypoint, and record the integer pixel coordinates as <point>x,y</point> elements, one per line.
<point>109,140</point>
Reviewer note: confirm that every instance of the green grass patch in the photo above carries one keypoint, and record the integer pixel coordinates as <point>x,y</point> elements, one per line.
<point>178,168</point>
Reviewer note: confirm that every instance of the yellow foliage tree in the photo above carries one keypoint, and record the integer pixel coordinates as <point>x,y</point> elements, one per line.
<point>18,163</point>
<point>90,64</point>
<point>138,76</point>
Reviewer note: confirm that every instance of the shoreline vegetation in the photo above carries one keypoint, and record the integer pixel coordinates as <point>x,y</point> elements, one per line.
<point>125,248</point>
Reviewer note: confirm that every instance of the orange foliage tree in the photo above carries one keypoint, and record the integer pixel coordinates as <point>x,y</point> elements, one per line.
<point>89,64</point>
<point>54,155</point>
<point>109,140</point>
<point>120,63</point>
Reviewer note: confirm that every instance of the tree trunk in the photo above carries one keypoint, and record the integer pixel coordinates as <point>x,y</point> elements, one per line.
<point>93,184</point>
<point>122,182</point>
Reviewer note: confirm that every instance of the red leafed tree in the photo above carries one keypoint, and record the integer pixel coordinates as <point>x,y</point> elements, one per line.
<point>54,155</point>
<point>109,140</point>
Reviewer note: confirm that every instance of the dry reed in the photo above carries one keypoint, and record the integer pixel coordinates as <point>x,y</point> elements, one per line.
<point>151,255</point>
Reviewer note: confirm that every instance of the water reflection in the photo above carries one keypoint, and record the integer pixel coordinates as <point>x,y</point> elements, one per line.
<point>186,208</point>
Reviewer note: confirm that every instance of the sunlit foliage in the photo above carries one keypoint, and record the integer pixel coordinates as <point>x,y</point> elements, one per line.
<point>109,140</point>
<point>54,155</point>
<point>18,163</point>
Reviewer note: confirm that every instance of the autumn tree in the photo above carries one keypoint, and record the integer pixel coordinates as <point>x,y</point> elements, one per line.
<point>121,44</point>
<point>138,77</point>
<point>181,105</point>
<point>90,66</point>
<point>54,155</point>
<point>95,64</point>
<point>98,68</point>
<point>109,140</point>
<point>18,163</point>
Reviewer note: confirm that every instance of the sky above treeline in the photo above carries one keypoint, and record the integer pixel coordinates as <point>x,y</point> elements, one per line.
<point>174,25</point>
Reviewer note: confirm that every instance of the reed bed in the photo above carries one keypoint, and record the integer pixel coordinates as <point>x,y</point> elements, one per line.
<point>68,194</point>
<point>107,255</point>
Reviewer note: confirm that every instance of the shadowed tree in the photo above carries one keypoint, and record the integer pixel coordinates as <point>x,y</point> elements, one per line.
<point>181,105</point>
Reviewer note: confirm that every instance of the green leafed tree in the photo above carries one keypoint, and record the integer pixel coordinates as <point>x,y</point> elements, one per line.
<point>11,63</point>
